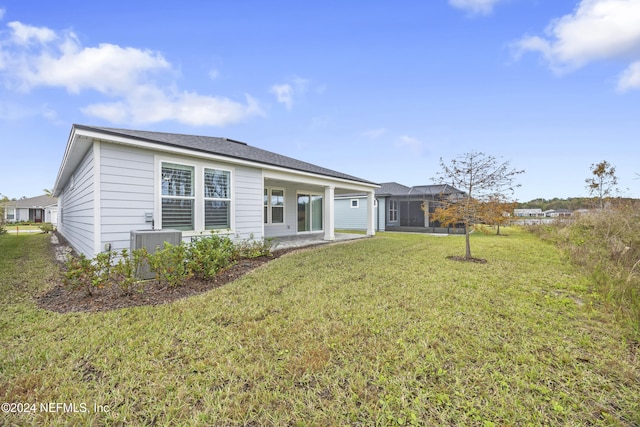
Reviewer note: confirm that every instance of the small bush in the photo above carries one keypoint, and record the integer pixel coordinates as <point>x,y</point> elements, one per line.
<point>251,248</point>
<point>124,272</point>
<point>87,274</point>
<point>208,255</point>
<point>170,264</point>
<point>46,227</point>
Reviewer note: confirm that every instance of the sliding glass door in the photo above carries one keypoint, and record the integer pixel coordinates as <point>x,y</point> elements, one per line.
<point>309,212</point>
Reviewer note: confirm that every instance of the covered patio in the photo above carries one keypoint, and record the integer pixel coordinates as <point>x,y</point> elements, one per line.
<point>304,240</point>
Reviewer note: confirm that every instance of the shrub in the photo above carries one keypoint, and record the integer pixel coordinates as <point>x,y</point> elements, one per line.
<point>46,227</point>
<point>208,255</point>
<point>124,272</point>
<point>87,274</point>
<point>170,264</point>
<point>252,248</point>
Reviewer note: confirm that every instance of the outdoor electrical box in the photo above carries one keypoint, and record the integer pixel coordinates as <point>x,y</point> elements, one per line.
<point>152,240</point>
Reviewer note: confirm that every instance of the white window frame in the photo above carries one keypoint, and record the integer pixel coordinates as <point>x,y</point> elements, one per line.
<point>220,199</point>
<point>192,196</point>
<point>311,194</point>
<point>393,210</point>
<point>11,213</point>
<point>199,198</point>
<point>268,220</point>
<point>356,205</point>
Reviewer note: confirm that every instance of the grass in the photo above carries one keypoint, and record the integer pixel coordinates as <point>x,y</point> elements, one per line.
<point>381,331</point>
<point>13,227</point>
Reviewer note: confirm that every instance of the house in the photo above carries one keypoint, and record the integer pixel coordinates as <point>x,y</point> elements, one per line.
<point>397,208</point>
<point>558,213</point>
<point>114,181</point>
<point>537,212</point>
<point>32,209</point>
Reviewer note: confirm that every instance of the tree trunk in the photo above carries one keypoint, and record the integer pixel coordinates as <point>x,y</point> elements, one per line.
<point>468,243</point>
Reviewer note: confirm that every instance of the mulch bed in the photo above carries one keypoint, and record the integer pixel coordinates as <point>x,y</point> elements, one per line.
<point>64,300</point>
<point>463,259</point>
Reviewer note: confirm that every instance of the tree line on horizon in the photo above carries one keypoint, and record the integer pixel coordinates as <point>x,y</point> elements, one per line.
<point>570,203</point>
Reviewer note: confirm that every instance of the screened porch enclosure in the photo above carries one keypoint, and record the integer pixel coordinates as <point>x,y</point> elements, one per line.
<point>412,217</point>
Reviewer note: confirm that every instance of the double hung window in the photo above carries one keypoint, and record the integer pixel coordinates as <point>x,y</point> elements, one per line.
<point>178,196</point>
<point>273,206</point>
<point>195,197</point>
<point>393,210</point>
<point>217,199</point>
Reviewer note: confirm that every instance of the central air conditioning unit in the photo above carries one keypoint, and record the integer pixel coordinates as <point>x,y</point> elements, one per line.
<point>152,240</point>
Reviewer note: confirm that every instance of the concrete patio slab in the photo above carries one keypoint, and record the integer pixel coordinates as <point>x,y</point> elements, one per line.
<point>301,241</point>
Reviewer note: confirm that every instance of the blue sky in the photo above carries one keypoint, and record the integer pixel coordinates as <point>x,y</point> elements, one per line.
<point>377,89</point>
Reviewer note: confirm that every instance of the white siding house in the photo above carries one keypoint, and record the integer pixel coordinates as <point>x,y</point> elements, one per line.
<point>352,211</point>
<point>114,181</point>
<point>37,209</point>
<point>398,208</point>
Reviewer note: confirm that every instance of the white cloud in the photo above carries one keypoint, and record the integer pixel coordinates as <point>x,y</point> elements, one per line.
<point>413,145</point>
<point>630,78</point>
<point>108,69</point>
<point>475,7</point>
<point>374,133</point>
<point>214,74</point>
<point>596,30</point>
<point>2,12</point>
<point>148,104</point>
<point>27,34</point>
<point>285,92</point>
<point>32,57</point>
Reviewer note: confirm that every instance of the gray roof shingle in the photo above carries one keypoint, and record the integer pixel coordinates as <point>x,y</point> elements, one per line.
<point>224,147</point>
<point>395,189</point>
<point>33,202</point>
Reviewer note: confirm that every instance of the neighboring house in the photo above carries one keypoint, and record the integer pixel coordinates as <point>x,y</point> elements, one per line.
<point>33,209</point>
<point>352,212</point>
<point>558,213</point>
<point>537,212</point>
<point>397,208</point>
<point>114,181</point>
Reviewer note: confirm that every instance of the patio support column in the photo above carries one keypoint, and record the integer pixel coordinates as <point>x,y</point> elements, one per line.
<point>371,214</point>
<point>329,217</point>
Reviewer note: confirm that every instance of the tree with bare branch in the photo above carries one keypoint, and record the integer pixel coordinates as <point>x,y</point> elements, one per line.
<point>480,176</point>
<point>602,184</point>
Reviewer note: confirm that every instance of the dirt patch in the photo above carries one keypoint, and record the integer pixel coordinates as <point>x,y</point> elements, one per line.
<point>63,300</point>
<point>463,259</point>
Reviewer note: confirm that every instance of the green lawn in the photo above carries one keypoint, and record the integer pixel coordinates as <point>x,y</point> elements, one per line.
<point>381,331</point>
<point>13,227</point>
